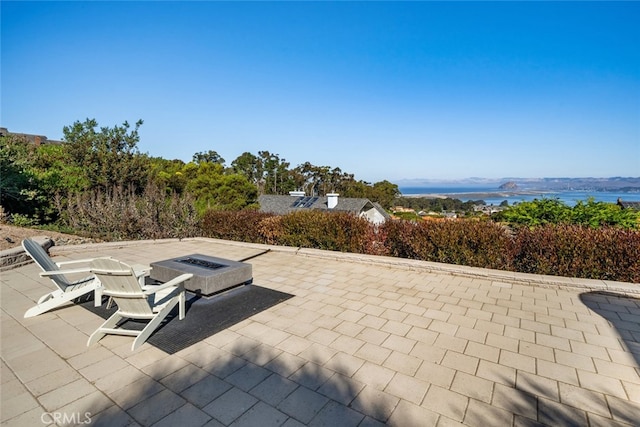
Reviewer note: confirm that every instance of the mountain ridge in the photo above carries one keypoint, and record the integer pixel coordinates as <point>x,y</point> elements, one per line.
<point>617,183</point>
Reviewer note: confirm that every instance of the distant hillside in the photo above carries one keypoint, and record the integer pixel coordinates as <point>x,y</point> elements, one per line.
<point>619,184</point>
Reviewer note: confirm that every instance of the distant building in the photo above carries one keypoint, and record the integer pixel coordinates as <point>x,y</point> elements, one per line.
<point>35,139</point>
<point>488,209</point>
<point>297,201</point>
<point>629,205</point>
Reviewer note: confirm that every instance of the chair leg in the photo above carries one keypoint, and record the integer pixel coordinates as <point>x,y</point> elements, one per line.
<point>153,324</point>
<point>108,324</point>
<point>97,296</point>
<point>181,304</point>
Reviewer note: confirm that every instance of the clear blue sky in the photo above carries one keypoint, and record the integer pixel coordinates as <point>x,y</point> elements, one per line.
<point>382,90</point>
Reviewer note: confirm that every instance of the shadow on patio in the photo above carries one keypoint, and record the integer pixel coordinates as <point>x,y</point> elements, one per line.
<point>247,385</point>
<point>622,312</point>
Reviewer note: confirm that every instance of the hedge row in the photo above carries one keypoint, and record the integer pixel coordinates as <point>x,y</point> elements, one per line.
<point>563,250</point>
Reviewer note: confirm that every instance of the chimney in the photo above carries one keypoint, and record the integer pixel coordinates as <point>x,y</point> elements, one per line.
<point>296,193</point>
<point>332,200</point>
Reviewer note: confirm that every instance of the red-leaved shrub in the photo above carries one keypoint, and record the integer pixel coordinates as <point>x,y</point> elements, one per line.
<point>563,250</point>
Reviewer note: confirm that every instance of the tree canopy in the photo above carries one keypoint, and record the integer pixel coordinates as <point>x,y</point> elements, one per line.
<point>95,158</point>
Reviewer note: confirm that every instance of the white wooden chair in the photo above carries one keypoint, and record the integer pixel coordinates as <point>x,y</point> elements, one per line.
<point>135,301</point>
<point>67,290</point>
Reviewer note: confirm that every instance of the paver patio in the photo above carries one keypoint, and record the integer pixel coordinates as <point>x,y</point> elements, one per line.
<point>365,341</point>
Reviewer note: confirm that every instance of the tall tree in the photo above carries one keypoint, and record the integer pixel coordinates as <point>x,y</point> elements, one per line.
<point>247,165</point>
<point>210,156</point>
<point>273,174</point>
<point>109,156</point>
<point>384,192</point>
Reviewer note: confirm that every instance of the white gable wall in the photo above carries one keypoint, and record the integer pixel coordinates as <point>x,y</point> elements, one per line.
<point>373,216</point>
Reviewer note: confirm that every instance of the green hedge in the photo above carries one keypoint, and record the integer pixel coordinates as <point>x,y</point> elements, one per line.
<point>606,253</point>
<point>565,250</point>
<point>470,242</point>
<point>242,226</point>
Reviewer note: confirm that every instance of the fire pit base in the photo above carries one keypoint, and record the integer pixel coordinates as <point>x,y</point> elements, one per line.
<point>211,275</point>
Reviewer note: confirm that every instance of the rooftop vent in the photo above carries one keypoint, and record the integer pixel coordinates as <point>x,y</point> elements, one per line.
<point>332,200</point>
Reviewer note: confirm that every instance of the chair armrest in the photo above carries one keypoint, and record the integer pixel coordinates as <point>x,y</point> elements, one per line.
<point>63,272</point>
<point>77,261</point>
<point>148,290</point>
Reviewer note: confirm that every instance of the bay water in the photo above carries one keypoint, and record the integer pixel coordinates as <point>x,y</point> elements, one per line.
<point>493,196</point>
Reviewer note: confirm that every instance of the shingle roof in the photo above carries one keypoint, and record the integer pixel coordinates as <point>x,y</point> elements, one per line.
<point>285,204</point>
<point>629,205</point>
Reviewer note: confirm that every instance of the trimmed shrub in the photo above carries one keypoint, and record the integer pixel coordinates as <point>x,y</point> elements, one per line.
<point>336,231</point>
<point>462,242</point>
<point>242,226</point>
<point>606,253</point>
<point>565,250</point>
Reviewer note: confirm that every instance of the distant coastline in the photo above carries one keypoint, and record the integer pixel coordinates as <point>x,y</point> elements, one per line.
<point>480,195</point>
<point>494,196</point>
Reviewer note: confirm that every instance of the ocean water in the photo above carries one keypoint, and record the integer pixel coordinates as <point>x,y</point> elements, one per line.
<point>492,196</point>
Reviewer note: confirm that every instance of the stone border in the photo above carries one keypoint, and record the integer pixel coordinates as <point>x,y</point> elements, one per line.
<point>498,276</point>
<point>16,257</point>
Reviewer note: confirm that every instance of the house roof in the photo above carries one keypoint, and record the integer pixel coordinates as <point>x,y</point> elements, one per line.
<point>629,205</point>
<point>285,204</point>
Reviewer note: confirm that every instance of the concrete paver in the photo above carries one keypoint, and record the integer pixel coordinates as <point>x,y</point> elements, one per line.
<point>364,341</point>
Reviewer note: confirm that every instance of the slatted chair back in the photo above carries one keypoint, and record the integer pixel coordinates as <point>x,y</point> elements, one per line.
<point>120,283</point>
<point>44,261</point>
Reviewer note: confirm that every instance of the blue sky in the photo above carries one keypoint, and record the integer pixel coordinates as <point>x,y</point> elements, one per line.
<point>382,90</point>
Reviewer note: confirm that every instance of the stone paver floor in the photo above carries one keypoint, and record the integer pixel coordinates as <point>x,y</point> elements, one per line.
<point>359,344</point>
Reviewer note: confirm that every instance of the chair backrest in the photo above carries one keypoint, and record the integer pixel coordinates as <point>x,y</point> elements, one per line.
<point>119,281</point>
<point>40,256</point>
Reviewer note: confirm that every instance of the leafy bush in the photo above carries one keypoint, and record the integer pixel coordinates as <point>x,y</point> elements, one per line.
<point>462,242</point>
<point>337,231</point>
<point>601,214</point>
<point>553,211</point>
<point>536,212</point>
<point>20,220</point>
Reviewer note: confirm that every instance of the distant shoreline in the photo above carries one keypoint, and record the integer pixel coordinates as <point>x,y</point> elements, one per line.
<point>496,197</point>
<point>480,195</point>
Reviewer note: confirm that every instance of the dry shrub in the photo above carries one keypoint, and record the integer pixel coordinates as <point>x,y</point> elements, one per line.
<point>121,214</point>
<point>271,229</point>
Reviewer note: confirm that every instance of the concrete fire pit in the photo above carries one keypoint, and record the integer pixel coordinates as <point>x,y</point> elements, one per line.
<point>211,275</point>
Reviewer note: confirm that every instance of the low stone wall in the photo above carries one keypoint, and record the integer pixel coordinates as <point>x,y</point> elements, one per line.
<point>15,257</point>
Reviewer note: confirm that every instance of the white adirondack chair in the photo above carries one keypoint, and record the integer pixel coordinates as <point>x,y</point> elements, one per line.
<point>68,290</point>
<point>135,301</point>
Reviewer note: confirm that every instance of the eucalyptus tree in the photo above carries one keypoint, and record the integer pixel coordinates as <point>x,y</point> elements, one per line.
<point>273,174</point>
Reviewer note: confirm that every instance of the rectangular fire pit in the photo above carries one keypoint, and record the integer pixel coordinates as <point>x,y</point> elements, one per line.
<point>211,275</point>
